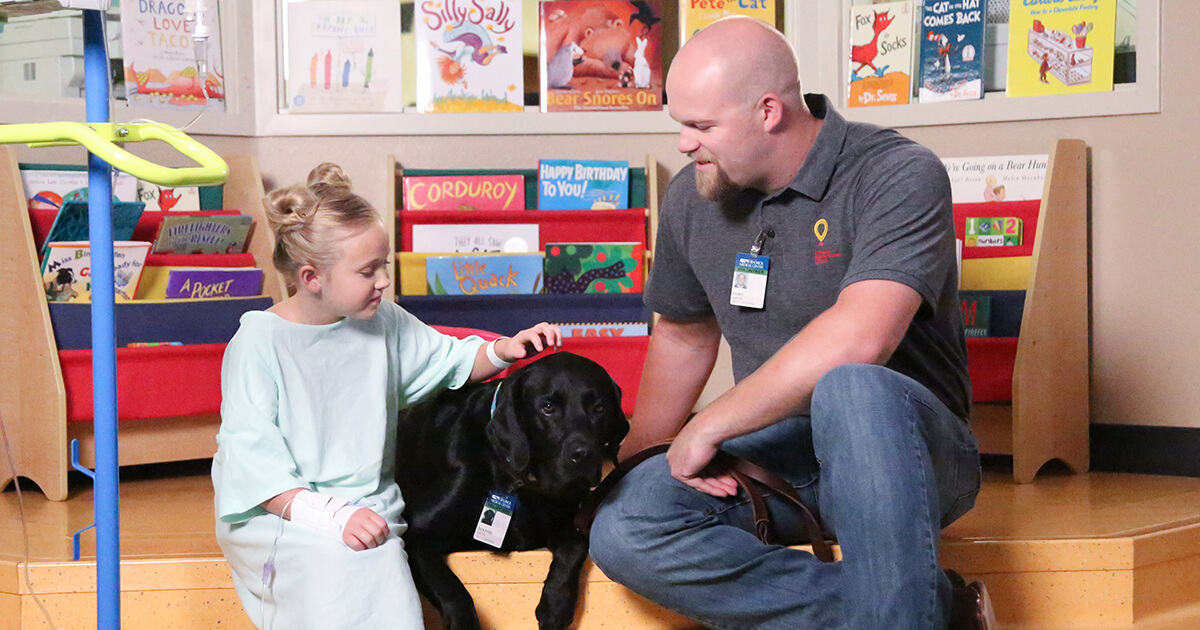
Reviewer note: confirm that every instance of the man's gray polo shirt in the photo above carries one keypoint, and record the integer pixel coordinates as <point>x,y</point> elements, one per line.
<point>867,204</point>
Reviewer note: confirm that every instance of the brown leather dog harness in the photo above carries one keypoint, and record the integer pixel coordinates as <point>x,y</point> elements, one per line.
<point>753,480</point>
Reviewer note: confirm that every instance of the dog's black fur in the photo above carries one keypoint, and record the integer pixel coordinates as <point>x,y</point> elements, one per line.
<point>555,420</point>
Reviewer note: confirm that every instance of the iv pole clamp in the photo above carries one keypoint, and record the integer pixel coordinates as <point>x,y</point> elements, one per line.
<point>102,139</point>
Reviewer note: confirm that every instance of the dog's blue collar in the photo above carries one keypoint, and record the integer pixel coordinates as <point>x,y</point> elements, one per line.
<point>494,397</point>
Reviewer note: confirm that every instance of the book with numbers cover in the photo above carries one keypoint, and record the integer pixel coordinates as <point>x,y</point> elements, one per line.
<point>469,56</point>
<point>951,39</point>
<point>881,54</point>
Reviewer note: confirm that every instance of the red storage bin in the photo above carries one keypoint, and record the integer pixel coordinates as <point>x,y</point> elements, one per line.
<point>990,363</point>
<point>155,382</point>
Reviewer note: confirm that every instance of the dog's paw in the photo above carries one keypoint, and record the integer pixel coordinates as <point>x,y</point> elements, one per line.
<point>461,620</point>
<point>555,614</point>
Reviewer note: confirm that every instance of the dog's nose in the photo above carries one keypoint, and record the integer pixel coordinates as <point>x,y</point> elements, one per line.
<point>582,455</point>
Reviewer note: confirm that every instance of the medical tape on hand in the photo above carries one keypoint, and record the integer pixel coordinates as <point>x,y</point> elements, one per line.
<point>322,513</point>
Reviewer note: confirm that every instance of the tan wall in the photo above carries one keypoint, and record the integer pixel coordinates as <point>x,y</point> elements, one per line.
<point>1145,224</point>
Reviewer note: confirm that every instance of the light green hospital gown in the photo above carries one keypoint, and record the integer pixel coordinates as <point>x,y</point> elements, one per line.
<point>315,407</point>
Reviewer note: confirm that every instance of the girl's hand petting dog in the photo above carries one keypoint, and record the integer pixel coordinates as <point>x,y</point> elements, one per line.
<point>529,342</point>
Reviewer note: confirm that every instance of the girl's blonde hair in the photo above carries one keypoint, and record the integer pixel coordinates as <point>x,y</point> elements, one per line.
<point>309,220</point>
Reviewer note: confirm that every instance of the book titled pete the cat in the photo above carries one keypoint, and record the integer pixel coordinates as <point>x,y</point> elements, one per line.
<point>594,267</point>
<point>583,184</point>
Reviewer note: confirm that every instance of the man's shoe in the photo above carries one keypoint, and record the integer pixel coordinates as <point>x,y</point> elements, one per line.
<point>972,608</point>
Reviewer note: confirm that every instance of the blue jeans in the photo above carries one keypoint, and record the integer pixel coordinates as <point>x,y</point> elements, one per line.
<point>883,463</point>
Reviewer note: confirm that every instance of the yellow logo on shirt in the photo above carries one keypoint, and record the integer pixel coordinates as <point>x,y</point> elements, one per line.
<point>821,229</point>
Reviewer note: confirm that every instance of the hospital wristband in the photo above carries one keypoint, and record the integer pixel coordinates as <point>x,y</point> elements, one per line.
<point>495,358</point>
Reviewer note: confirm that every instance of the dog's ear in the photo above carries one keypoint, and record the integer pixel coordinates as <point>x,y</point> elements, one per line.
<point>618,425</point>
<point>504,430</point>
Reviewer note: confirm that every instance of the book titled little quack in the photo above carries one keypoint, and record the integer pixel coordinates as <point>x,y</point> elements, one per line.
<point>583,184</point>
<point>484,274</point>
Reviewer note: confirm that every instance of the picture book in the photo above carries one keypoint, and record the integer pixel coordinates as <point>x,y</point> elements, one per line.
<point>67,270</point>
<point>976,312</point>
<point>190,283</point>
<point>511,238</point>
<point>160,57</point>
<point>594,267</point>
<point>600,56</point>
<point>951,39</point>
<point>583,184</point>
<point>993,232</point>
<point>881,54</point>
<point>694,15</point>
<point>71,222</point>
<point>343,56</point>
<point>47,188</point>
<point>484,274</point>
<point>606,329</point>
<point>997,177</point>
<point>177,199</point>
<point>469,56</point>
<point>1060,46</point>
<point>464,192</point>
<point>203,233</point>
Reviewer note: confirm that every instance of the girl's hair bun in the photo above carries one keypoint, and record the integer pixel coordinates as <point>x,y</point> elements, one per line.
<point>328,176</point>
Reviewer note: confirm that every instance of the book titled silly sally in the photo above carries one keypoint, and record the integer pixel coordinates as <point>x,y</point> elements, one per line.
<point>469,56</point>
<point>881,54</point>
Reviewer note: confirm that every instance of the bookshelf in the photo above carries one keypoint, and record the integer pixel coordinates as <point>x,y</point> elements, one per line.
<point>506,314</point>
<point>46,398</point>
<point>1049,416</point>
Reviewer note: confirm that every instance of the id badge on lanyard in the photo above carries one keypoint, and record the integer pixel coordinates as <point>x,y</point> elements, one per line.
<point>750,274</point>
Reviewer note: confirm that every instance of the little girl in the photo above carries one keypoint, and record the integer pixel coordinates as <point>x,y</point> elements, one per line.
<point>308,514</point>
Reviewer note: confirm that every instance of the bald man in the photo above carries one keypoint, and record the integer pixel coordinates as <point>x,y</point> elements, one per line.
<point>848,353</point>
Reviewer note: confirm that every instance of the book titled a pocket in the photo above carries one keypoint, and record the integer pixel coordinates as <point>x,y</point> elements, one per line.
<point>189,283</point>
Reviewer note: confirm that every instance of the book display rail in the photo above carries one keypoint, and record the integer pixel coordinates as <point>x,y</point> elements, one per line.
<point>168,395</point>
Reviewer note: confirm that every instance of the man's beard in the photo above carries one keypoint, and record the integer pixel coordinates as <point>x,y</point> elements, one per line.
<point>715,185</point>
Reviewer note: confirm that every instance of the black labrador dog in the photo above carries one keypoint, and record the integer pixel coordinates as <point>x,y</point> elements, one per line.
<point>541,434</point>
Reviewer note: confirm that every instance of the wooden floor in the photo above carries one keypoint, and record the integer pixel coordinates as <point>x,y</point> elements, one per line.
<point>1092,551</point>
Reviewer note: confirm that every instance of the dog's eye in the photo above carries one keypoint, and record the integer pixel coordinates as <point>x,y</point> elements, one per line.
<point>598,408</point>
<point>547,408</point>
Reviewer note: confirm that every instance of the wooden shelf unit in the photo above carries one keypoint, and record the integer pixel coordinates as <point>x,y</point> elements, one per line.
<point>506,314</point>
<point>1049,415</point>
<point>33,395</point>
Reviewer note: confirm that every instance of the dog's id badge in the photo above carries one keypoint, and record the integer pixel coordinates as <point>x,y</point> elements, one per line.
<point>749,280</point>
<point>493,521</point>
